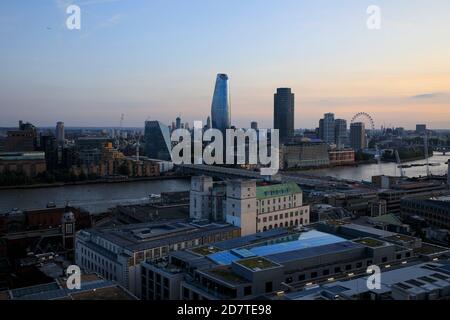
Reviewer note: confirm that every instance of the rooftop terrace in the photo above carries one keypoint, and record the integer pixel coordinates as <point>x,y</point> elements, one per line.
<point>205,250</point>
<point>370,242</point>
<point>225,273</point>
<point>257,264</point>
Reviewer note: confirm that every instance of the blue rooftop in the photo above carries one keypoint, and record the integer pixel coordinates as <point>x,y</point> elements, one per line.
<point>310,239</point>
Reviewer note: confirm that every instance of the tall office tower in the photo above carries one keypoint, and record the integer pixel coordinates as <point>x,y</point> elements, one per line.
<point>220,108</point>
<point>186,126</point>
<point>340,129</point>
<point>358,136</point>
<point>254,125</point>
<point>327,128</point>
<point>174,126</point>
<point>284,113</point>
<point>157,141</point>
<point>178,122</point>
<point>60,133</point>
<point>208,123</point>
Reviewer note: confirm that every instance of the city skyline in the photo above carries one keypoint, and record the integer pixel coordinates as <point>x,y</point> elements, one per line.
<point>325,54</point>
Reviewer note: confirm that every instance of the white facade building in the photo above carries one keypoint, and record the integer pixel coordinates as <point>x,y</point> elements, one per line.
<point>117,253</point>
<point>256,208</point>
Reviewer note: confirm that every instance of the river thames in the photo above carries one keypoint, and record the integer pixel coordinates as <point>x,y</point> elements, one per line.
<point>99,197</point>
<point>94,197</point>
<point>365,172</point>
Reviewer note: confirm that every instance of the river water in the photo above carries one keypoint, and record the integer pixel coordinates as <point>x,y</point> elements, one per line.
<point>94,197</point>
<point>365,172</point>
<point>99,197</point>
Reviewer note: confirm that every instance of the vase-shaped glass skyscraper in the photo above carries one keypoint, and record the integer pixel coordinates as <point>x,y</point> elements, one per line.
<point>220,110</point>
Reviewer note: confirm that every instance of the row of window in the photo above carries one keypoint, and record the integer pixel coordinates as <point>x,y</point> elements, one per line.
<point>274,201</point>
<point>286,224</point>
<point>286,215</point>
<point>340,269</point>
<point>274,208</point>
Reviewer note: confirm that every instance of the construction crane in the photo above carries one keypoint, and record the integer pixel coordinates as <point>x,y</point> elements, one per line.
<point>399,164</point>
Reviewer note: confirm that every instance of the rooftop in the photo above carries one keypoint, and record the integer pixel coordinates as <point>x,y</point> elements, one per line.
<point>225,273</point>
<point>389,219</point>
<point>429,249</point>
<point>137,237</point>
<point>108,293</point>
<point>205,250</point>
<point>15,156</point>
<point>286,244</point>
<point>92,288</point>
<point>257,264</point>
<point>332,248</point>
<point>400,237</point>
<point>370,242</point>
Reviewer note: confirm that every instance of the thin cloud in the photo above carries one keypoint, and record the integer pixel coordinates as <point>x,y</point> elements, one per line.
<point>112,21</point>
<point>427,95</point>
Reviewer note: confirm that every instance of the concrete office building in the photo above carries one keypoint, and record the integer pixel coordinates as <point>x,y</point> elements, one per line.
<point>327,128</point>
<point>284,113</point>
<point>116,253</point>
<point>304,155</point>
<point>341,157</point>
<point>423,281</point>
<point>434,209</point>
<point>24,139</point>
<point>29,163</point>
<point>207,199</point>
<point>254,207</point>
<point>274,261</point>
<point>397,192</point>
<point>200,198</point>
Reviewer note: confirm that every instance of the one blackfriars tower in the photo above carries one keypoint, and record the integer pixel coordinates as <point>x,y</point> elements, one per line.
<point>284,113</point>
<point>220,110</point>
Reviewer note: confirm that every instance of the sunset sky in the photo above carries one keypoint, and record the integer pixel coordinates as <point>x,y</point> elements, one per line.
<point>157,59</point>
